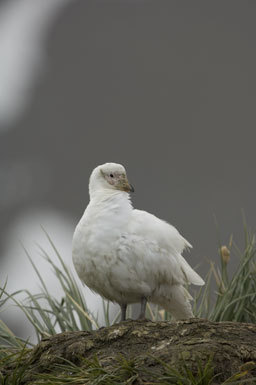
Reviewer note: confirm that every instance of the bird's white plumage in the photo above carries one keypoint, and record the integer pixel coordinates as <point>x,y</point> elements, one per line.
<point>125,254</point>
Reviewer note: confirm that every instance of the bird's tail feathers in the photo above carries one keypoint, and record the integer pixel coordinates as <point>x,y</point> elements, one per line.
<point>190,274</point>
<point>176,300</point>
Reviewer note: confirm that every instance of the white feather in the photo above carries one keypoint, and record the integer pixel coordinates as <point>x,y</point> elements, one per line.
<point>126,254</point>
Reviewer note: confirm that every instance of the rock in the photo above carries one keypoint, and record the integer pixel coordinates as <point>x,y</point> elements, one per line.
<point>229,345</point>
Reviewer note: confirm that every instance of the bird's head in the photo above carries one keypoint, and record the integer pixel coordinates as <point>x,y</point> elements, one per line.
<point>111,177</point>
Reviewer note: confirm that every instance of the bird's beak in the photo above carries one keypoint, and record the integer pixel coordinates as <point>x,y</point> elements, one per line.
<point>131,188</point>
<point>125,185</point>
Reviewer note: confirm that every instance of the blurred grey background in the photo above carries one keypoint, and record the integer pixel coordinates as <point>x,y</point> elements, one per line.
<point>167,88</point>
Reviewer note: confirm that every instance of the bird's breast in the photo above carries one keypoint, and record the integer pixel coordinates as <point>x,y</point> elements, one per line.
<point>96,237</point>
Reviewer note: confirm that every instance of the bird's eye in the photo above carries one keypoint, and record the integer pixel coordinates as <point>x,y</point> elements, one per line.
<point>111,175</point>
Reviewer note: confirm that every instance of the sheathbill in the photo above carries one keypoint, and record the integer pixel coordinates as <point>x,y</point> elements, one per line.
<point>128,255</point>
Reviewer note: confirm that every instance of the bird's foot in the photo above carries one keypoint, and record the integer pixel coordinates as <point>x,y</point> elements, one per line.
<point>142,317</point>
<point>123,312</point>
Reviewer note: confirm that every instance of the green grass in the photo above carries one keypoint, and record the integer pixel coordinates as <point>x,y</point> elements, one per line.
<point>123,372</point>
<point>18,357</point>
<point>233,299</point>
<point>235,296</point>
<point>92,372</point>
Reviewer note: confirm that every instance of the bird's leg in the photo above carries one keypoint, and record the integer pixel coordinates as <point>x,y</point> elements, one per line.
<point>143,308</point>
<point>123,311</point>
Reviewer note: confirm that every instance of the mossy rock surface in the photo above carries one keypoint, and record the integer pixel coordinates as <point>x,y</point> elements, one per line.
<point>148,344</point>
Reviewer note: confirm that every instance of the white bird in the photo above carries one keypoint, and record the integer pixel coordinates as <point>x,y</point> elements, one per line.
<point>128,255</point>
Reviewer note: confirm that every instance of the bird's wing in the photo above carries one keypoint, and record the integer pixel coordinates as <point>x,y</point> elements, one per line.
<point>166,243</point>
